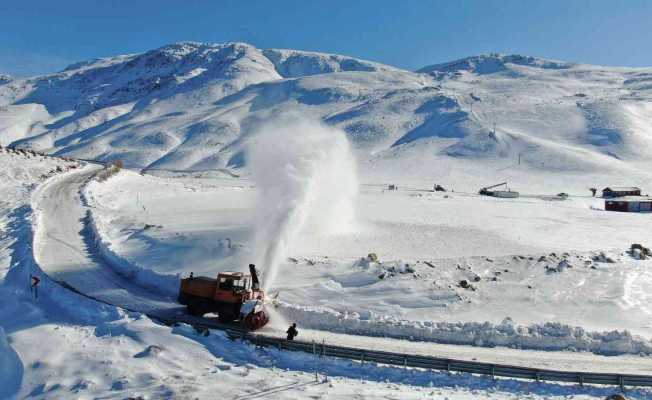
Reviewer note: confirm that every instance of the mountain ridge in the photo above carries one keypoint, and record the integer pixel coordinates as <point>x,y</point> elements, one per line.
<point>192,105</point>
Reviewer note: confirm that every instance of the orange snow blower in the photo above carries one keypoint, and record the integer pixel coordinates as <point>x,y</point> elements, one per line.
<point>233,296</point>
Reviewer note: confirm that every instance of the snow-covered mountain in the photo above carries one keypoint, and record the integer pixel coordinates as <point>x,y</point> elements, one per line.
<point>195,105</point>
<point>491,63</point>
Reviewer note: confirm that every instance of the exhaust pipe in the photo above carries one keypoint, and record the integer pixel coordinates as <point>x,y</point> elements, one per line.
<point>255,283</point>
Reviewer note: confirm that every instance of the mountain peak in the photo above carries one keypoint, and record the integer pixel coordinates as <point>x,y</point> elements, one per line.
<point>295,63</point>
<point>494,62</point>
<point>184,48</point>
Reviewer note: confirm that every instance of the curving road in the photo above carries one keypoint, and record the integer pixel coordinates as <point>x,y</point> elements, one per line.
<point>65,250</point>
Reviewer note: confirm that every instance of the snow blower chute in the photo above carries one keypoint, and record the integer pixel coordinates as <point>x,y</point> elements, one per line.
<point>233,296</point>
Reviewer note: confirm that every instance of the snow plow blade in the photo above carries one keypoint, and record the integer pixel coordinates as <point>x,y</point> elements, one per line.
<point>253,321</point>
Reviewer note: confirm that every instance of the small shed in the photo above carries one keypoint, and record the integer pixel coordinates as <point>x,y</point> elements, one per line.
<point>616,191</point>
<point>629,204</point>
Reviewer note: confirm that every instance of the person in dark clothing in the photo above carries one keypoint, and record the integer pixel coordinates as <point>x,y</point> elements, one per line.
<point>292,332</point>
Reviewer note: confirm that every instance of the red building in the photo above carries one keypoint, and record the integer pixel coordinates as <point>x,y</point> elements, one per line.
<point>629,204</point>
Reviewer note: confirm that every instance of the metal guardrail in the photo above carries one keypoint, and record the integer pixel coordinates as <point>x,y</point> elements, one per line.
<point>444,364</point>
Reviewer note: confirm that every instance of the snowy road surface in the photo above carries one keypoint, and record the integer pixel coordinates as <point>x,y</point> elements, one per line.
<point>64,249</point>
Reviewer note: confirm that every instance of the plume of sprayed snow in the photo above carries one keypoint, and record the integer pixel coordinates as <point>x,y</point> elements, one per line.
<point>306,181</point>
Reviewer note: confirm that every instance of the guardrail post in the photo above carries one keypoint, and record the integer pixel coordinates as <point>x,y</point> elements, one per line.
<point>538,377</point>
<point>405,361</point>
<point>621,380</point>
<point>362,357</point>
<point>448,365</point>
<point>581,380</point>
<point>493,372</point>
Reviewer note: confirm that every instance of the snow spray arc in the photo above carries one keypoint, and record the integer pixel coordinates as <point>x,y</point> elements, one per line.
<point>306,181</point>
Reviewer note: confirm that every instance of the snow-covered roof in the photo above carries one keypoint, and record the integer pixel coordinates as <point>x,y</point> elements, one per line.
<point>621,189</point>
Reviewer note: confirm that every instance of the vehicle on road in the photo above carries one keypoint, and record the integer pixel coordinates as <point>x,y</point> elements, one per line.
<point>233,296</point>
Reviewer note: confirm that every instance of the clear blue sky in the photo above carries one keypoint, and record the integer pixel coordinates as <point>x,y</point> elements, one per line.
<point>45,36</point>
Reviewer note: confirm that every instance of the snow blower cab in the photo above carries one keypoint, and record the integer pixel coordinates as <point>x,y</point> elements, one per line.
<point>233,296</point>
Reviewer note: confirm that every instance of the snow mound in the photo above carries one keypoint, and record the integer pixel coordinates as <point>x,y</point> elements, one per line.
<point>167,284</point>
<point>549,336</point>
<point>11,367</point>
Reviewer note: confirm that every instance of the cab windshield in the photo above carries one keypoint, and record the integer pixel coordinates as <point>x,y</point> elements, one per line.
<point>233,284</point>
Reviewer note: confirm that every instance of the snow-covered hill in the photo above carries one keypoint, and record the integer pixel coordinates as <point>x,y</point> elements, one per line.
<point>491,63</point>
<point>194,106</point>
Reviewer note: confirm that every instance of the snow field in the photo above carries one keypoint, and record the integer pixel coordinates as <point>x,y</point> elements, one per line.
<point>64,345</point>
<point>517,301</point>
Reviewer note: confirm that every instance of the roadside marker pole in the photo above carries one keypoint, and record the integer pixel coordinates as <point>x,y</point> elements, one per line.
<point>314,354</point>
<point>33,285</point>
